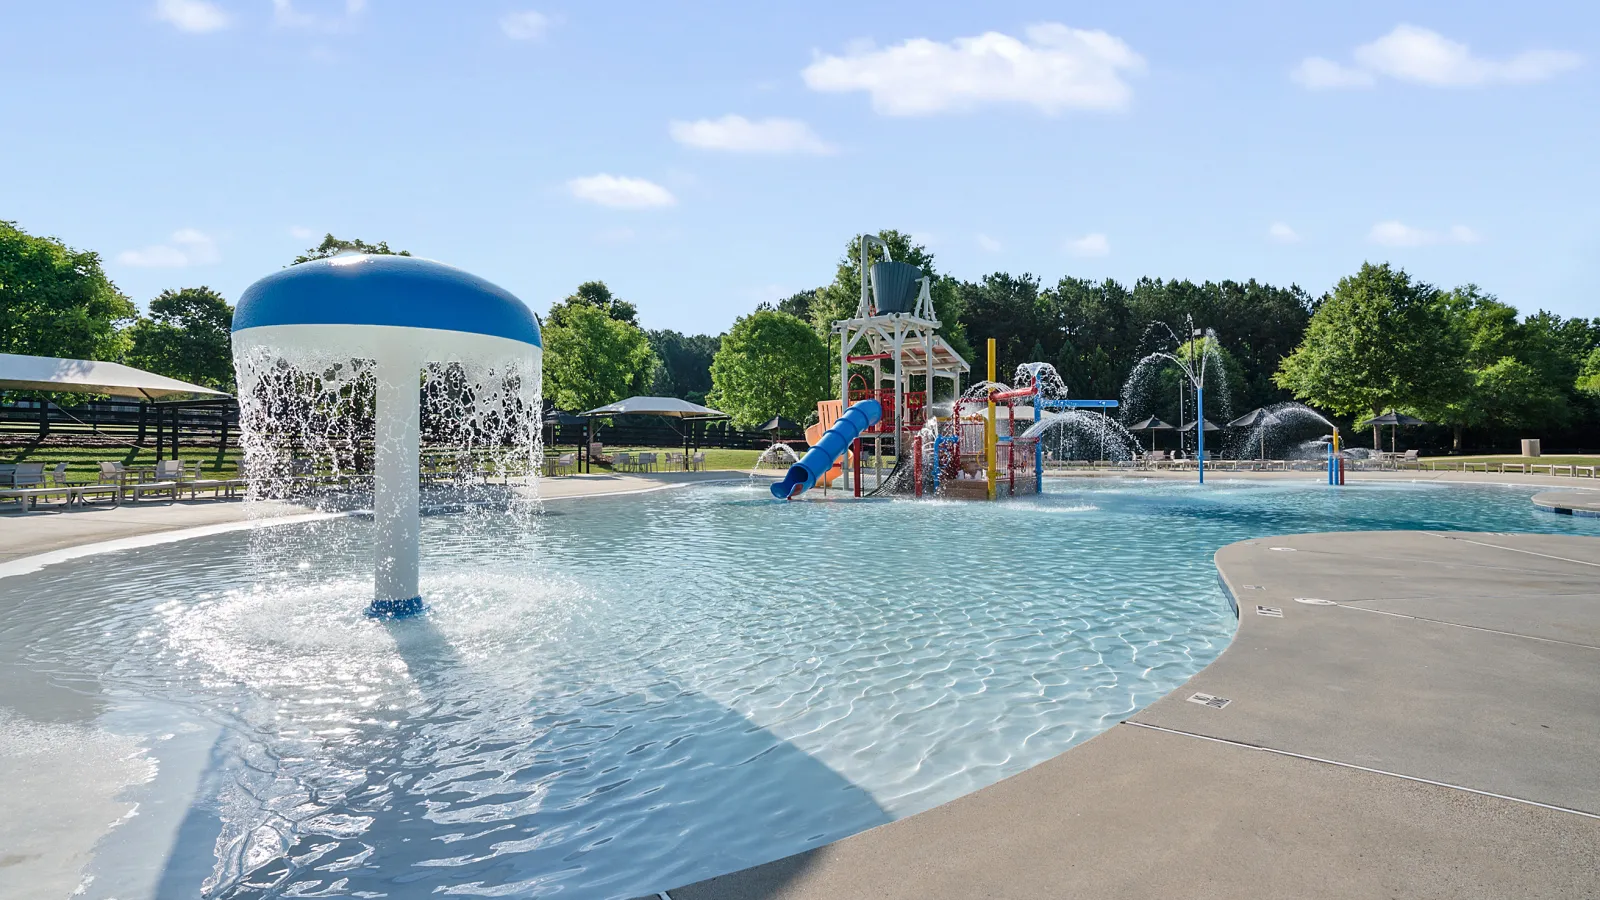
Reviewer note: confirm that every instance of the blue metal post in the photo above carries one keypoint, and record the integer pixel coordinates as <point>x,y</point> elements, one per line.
<point>1330,461</point>
<point>1038,444</point>
<point>1200,429</point>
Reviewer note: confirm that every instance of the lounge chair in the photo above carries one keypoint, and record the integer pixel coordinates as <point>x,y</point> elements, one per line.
<point>168,471</point>
<point>28,486</point>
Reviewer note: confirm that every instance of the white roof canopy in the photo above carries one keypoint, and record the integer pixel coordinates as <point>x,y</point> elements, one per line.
<point>86,376</point>
<point>656,406</point>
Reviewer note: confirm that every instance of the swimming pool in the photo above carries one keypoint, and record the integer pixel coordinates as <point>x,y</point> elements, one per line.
<point>626,694</point>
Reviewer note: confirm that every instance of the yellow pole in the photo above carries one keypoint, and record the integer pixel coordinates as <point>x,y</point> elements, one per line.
<point>988,428</point>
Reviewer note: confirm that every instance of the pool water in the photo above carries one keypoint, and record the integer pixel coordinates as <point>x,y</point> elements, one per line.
<point>623,695</point>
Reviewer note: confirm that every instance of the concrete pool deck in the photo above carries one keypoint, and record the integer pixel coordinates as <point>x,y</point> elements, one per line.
<point>52,528</point>
<point>1426,729</point>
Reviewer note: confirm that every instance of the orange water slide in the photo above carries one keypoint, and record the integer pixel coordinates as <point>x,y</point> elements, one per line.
<point>828,412</point>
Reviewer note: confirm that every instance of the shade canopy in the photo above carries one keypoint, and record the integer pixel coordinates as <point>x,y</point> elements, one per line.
<point>1250,419</point>
<point>779,423</point>
<point>87,376</point>
<point>1150,424</point>
<point>1209,426</point>
<point>558,417</point>
<point>1393,418</point>
<point>672,407</point>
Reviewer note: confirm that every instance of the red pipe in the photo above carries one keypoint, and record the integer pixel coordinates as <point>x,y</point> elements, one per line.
<point>1015,394</point>
<point>869,357</point>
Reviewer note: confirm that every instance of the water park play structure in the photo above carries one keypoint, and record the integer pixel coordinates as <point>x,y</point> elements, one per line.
<point>895,323</point>
<point>308,338</point>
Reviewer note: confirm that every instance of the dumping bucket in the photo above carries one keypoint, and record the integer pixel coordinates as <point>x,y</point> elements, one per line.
<point>895,286</point>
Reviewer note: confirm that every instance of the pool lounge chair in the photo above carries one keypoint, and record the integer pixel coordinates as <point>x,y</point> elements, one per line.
<point>28,487</point>
<point>167,473</point>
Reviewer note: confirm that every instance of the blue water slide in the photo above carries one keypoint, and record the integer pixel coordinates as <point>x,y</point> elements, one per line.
<point>819,459</point>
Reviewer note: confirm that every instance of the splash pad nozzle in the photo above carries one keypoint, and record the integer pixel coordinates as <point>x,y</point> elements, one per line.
<point>388,318</point>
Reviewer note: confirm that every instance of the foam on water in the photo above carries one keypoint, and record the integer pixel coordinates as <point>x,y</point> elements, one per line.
<point>623,695</point>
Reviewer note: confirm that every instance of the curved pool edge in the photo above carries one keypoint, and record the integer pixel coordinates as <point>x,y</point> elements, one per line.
<point>1306,758</point>
<point>1569,503</point>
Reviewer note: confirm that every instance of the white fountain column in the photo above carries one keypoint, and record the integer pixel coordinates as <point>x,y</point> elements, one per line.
<point>395,493</point>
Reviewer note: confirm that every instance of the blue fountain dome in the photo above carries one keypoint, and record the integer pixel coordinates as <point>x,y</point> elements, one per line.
<point>404,291</point>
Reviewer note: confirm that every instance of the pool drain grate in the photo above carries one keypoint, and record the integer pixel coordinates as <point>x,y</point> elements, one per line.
<point>1208,700</point>
<point>1274,612</point>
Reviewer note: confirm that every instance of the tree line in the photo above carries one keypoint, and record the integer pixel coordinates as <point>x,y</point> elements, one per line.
<point>1379,339</point>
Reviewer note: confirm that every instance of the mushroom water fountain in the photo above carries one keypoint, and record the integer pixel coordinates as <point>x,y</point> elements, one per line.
<point>331,351</point>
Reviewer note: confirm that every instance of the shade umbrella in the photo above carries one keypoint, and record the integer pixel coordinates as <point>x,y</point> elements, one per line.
<point>666,407</point>
<point>88,376</point>
<point>1209,426</point>
<point>1151,425</point>
<point>556,418</point>
<point>1255,418</point>
<point>1393,420</point>
<point>777,425</point>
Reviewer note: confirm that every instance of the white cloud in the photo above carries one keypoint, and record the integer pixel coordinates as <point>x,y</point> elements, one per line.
<point>620,191</point>
<point>988,244</point>
<point>1420,56</point>
<point>526,25</point>
<point>1317,73</point>
<point>302,233</point>
<point>737,134</point>
<point>1282,233</point>
<point>187,247</point>
<point>1054,68</point>
<point>285,13</point>
<point>1089,245</point>
<point>197,16</point>
<point>1398,234</point>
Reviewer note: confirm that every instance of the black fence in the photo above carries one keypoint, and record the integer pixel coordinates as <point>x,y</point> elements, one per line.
<point>666,433</point>
<point>166,426</point>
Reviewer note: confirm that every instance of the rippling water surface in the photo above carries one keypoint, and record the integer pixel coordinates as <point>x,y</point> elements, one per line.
<point>623,695</point>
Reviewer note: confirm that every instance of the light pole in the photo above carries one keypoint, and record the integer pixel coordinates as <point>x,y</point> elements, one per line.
<point>1199,407</point>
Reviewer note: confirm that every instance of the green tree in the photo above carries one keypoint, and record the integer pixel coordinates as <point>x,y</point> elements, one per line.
<point>595,295</point>
<point>770,364</point>
<point>797,304</point>
<point>1515,376</point>
<point>56,301</point>
<point>1380,340</point>
<point>684,364</point>
<point>591,359</point>
<point>332,246</point>
<point>186,336</point>
<point>1589,375</point>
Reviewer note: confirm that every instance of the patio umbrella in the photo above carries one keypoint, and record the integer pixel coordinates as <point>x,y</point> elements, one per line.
<point>780,424</point>
<point>666,407</point>
<point>1393,420</point>
<point>556,418</point>
<point>1255,418</point>
<point>1209,426</point>
<point>1151,425</point>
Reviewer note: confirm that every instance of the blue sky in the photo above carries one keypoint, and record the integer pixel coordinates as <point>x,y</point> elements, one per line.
<point>544,144</point>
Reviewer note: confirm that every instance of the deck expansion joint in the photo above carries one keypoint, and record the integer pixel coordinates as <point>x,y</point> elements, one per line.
<point>1345,765</point>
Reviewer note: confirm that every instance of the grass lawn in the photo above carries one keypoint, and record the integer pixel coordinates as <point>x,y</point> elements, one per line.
<point>716,460</point>
<point>1455,462</point>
